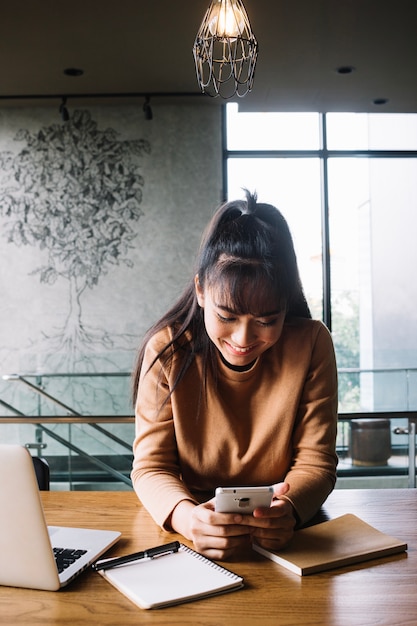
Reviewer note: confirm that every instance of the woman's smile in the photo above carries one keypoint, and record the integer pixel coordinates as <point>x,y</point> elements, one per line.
<point>241,350</point>
<point>238,350</point>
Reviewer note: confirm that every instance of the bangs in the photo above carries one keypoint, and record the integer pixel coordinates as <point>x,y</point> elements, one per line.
<point>248,288</point>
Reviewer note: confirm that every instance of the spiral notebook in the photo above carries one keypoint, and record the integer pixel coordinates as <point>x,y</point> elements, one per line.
<point>173,578</point>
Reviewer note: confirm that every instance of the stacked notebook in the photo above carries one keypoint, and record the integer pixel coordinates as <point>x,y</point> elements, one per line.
<point>341,541</point>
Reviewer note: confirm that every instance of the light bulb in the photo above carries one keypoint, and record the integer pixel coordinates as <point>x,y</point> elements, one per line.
<point>226,20</point>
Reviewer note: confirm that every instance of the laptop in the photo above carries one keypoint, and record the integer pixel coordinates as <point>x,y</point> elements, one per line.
<point>32,554</point>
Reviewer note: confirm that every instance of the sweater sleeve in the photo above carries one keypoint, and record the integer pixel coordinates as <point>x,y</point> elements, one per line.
<point>312,474</point>
<point>156,473</point>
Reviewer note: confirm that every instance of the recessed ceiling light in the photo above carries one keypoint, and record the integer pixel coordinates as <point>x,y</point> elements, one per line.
<point>345,69</point>
<point>73,71</point>
<point>380,101</point>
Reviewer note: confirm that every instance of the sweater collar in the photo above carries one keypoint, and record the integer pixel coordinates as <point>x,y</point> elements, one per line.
<point>237,368</point>
<point>233,373</point>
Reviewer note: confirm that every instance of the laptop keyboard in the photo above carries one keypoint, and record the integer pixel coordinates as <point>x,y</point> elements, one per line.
<point>64,557</point>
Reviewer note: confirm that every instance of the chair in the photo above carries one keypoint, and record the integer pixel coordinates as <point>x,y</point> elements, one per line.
<point>42,472</point>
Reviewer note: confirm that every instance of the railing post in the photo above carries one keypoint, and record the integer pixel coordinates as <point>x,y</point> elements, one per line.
<point>411,454</point>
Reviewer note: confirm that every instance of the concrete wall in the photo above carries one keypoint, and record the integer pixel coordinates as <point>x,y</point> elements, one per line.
<point>100,219</point>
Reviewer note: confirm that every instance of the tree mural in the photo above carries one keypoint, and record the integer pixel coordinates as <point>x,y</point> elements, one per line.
<point>74,191</point>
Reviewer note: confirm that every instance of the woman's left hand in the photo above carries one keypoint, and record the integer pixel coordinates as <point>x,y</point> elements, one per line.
<point>273,527</point>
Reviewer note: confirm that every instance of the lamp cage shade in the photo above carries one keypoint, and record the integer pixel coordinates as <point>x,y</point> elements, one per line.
<point>225,50</point>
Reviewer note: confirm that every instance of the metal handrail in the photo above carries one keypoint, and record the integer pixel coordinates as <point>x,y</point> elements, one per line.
<point>64,419</point>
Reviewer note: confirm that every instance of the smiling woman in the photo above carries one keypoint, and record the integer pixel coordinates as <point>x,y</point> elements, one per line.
<point>236,386</point>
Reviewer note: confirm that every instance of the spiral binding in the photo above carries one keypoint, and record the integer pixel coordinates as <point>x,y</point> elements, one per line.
<point>213,564</point>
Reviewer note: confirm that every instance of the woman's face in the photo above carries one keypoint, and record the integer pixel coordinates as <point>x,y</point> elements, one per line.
<point>239,338</point>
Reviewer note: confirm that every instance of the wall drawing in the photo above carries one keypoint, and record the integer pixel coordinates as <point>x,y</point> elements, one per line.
<point>86,263</point>
<point>74,192</point>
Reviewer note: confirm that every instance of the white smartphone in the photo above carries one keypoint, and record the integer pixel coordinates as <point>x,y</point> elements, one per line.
<point>242,499</point>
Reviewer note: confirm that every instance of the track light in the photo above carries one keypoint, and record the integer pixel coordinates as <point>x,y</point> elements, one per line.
<point>63,110</point>
<point>147,109</point>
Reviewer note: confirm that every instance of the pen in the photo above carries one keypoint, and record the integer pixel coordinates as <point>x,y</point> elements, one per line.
<point>167,548</point>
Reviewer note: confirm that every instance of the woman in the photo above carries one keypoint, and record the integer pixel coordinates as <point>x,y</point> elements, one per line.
<point>236,385</point>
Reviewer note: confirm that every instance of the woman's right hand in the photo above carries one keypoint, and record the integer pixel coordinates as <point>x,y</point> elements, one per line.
<point>219,536</point>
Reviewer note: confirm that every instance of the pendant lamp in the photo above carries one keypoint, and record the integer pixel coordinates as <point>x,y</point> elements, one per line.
<point>225,50</point>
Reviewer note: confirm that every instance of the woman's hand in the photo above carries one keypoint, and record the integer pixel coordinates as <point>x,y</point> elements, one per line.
<point>222,536</point>
<point>219,536</point>
<point>273,527</point>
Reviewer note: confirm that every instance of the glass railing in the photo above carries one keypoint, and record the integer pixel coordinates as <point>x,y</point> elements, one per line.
<point>360,390</point>
<point>368,390</point>
<point>106,393</point>
<point>81,452</point>
<point>84,426</point>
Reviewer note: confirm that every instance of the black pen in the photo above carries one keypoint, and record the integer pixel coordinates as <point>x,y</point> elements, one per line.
<point>167,548</point>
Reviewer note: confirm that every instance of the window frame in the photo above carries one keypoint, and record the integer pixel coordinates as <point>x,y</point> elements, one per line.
<point>324,155</point>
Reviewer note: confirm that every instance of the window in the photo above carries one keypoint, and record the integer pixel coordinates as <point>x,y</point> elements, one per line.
<point>347,185</point>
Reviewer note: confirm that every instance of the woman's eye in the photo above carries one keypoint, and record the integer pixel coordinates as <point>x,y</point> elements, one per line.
<point>225,319</point>
<point>267,323</point>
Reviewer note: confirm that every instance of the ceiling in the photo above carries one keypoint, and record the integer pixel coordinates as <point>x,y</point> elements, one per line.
<point>138,46</point>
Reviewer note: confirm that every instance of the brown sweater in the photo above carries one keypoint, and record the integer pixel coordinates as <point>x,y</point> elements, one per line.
<point>275,422</point>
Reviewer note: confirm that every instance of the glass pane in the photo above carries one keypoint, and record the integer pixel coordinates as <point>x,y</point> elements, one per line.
<point>362,131</point>
<point>293,186</point>
<point>97,453</point>
<point>85,456</point>
<point>66,394</point>
<point>374,291</point>
<point>271,131</point>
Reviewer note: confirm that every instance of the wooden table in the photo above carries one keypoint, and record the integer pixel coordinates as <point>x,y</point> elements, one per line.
<point>381,592</point>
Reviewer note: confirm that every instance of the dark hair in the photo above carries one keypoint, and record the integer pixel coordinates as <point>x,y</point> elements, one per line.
<point>246,243</point>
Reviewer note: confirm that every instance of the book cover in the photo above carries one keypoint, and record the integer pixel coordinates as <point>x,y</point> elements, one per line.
<point>338,542</point>
<point>170,579</point>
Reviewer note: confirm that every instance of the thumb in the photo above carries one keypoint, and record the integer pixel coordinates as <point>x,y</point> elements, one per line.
<point>280,489</point>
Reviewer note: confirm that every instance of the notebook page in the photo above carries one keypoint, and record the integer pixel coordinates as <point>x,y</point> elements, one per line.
<point>172,578</point>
